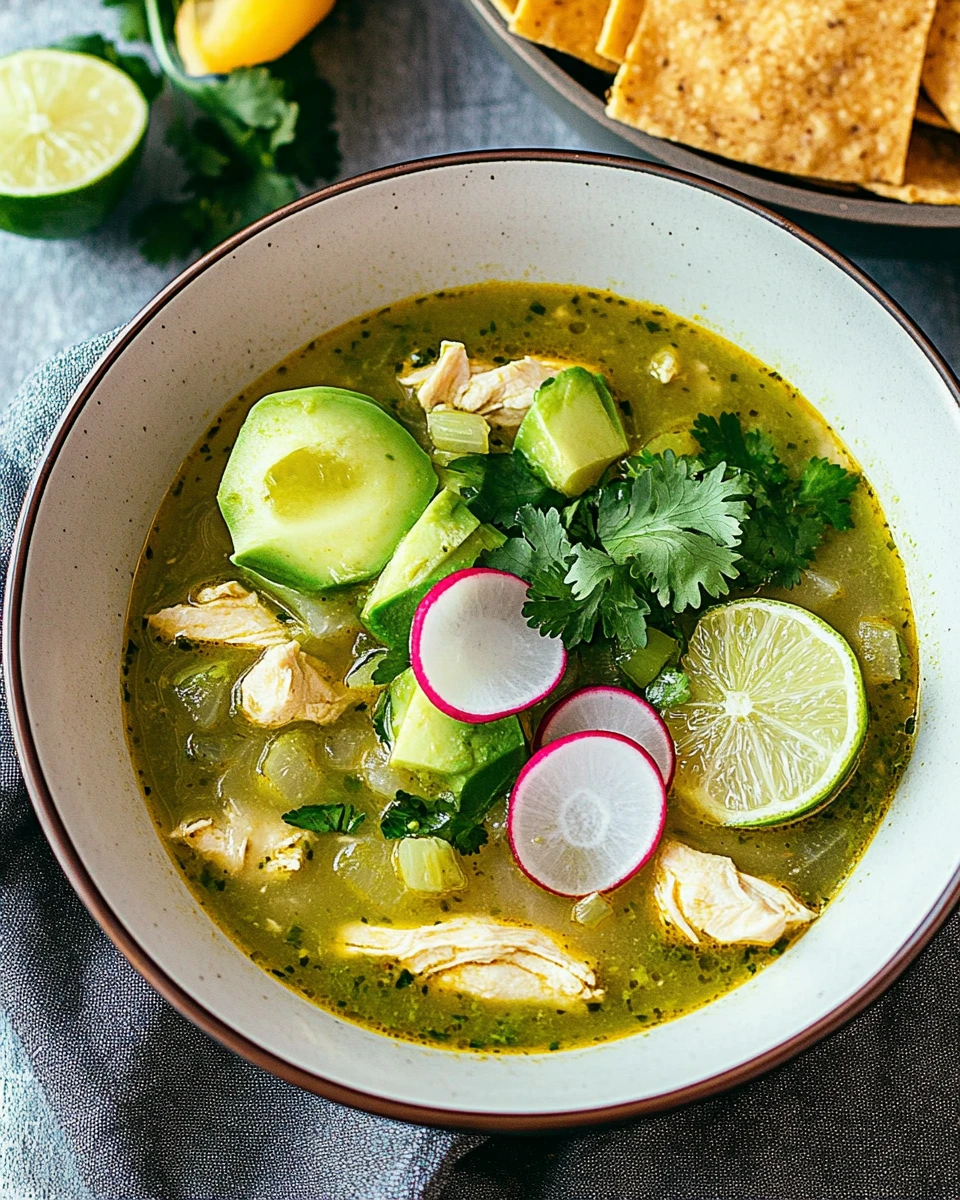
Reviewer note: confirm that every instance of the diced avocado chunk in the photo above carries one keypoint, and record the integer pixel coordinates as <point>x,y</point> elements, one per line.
<point>429,865</point>
<point>320,487</point>
<point>471,760</point>
<point>644,664</point>
<point>447,538</point>
<point>572,432</point>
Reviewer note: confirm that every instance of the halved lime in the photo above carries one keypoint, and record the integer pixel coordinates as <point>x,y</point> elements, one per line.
<point>71,128</point>
<point>776,717</point>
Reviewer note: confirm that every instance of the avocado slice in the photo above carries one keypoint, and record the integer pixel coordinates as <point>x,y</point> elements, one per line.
<point>320,487</point>
<point>572,432</point>
<point>476,762</point>
<point>446,538</point>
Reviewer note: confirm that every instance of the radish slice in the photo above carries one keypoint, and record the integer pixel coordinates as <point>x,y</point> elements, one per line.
<point>586,813</point>
<point>618,711</point>
<point>473,652</point>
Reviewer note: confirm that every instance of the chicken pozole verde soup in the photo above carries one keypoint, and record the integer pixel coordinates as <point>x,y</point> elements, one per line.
<point>518,667</point>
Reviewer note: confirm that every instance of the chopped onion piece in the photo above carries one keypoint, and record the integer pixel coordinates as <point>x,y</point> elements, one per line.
<point>591,910</point>
<point>429,865</point>
<point>880,650</point>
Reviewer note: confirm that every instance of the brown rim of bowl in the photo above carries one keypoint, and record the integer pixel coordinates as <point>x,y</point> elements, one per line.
<point>56,833</point>
<point>580,106</point>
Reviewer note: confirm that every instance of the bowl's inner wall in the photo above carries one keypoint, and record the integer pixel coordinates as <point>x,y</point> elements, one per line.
<point>588,224</point>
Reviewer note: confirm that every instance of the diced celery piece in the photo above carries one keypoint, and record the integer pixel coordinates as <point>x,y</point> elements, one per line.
<point>824,587</point>
<point>591,910</point>
<point>645,664</point>
<point>459,432</point>
<point>290,767</point>
<point>205,692</point>
<point>429,865</point>
<point>366,866</point>
<point>880,650</point>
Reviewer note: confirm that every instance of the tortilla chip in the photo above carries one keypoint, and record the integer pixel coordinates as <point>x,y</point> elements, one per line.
<point>928,114</point>
<point>506,8</point>
<point>572,26</point>
<point>619,26</point>
<point>941,68</point>
<point>823,88</point>
<point>933,170</point>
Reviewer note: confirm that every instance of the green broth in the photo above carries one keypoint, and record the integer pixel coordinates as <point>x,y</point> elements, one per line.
<point>287,926</point>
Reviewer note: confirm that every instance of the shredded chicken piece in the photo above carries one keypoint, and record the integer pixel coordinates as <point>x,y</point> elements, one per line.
<point>706,894</point>
<point>510,387</point>
<point>285,856</point>
<point>444,381</point>
<point>227,614</point>
<point>286,685</point>
<point>225,847</point>
<point>501,394</point>
<point>486,958</point>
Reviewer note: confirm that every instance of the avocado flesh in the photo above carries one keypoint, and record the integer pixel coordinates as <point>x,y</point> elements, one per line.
<point>446,538</point>
<point>475,762</point>
<point>572,432</point>
<point>320,487</point>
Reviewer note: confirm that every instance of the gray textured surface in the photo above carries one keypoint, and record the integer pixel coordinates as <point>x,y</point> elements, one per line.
<point>413,77</point>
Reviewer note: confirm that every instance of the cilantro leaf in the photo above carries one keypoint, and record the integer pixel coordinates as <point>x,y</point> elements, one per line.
<point>413,816</point>
<point>497,486</point>
<point>787,518</point>
<point>326,818</point>
<point>573,587</point>
<point>675,531</point>
<point>139,70</point>
<point>828,487</point>
<point>542,547</point>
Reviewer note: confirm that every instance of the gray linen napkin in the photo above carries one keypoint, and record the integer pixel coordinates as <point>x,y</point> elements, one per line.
<point>153,1108</point>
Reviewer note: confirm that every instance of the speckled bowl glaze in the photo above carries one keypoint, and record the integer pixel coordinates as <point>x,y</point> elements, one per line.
<point>642,231</point>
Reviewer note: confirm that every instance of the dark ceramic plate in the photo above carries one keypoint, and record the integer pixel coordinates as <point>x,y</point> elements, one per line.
<point>575,91</point>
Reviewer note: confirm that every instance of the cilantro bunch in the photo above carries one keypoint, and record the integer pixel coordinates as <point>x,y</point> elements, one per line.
<point>657,540</point>
<point>248,140</point>
<point>661,536</point>
<point>788,517</point>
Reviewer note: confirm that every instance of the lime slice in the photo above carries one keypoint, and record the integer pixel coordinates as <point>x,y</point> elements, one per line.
<point>776,717</point>
<point>71,128</point>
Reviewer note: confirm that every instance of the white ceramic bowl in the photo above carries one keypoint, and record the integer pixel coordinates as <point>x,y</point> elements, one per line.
<point>596,222</point>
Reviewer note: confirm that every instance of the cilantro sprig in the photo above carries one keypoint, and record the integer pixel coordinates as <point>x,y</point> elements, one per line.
<point>326,818</point>
<point>787,516</point>
<point>248,140</point>
<point>414,816</point>
<point>661,536</point>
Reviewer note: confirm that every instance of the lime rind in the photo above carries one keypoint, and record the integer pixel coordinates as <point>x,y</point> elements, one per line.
<point>777,714</point>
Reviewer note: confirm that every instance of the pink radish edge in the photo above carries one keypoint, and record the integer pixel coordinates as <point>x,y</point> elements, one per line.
<point>555,710</point>
<point>574,737</point>
<point>416,631</point>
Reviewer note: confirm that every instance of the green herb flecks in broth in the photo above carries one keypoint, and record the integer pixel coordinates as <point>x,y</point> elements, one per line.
<point>196,754</point>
